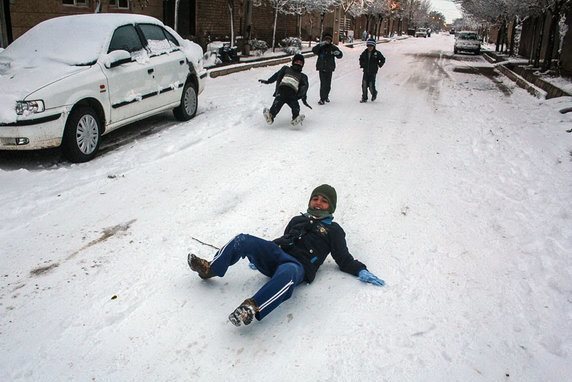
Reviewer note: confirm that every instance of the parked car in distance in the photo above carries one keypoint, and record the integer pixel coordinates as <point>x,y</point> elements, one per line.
<point>467,41</point>
<point>69,80</point>
<point>421,32</point>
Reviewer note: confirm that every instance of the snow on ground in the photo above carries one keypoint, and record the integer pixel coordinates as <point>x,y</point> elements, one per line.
<point>454,187</point>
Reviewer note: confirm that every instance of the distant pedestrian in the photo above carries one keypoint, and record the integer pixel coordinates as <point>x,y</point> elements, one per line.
<point>364,35</point>
<point>370,61</point>
<point>326,52</point>
<point>291,85</point>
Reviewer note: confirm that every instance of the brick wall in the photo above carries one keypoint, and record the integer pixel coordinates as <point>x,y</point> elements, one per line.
<point>27,13</point>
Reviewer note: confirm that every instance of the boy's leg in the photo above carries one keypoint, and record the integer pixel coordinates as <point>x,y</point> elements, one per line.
<point>284,271</point>
<point>372,87</point>
<point>279,289</point>
<point>295,106</point>
<point>364,88</point>
<point>276,106</point>
<point>325,84</point>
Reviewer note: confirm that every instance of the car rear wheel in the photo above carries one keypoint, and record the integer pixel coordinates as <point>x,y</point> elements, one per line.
<point>189,103</point>
<point>82,135</point>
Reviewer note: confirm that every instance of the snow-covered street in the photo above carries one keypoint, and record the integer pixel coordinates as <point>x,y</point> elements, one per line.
<point>454,186</point>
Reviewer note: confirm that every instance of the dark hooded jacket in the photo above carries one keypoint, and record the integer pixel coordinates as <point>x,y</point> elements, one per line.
<point>310,240</point>
<point>370,62</point>
<point>326,54</point>
<point>293,76</point>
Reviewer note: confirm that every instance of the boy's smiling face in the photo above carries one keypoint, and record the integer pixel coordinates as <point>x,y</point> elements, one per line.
<point>319,202</point>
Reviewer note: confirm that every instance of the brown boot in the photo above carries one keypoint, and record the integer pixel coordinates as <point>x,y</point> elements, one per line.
<point>201,266</point>
<point>244,314</point>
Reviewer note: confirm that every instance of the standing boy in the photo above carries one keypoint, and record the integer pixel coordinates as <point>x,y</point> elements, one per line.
<point>289,260</point>
<point>291,85</point>
<point>370,60</point>
<point>326,65</point>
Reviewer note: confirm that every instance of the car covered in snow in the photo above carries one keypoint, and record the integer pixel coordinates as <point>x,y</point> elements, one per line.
<point>421,32</point>
<point>69,80</point>
<point>467,41</point>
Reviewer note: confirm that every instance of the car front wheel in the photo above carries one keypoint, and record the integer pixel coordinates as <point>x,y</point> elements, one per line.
<point>189,103</point>
<point>82,135</point>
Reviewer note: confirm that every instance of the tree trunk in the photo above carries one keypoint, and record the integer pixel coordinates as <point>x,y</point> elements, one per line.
<point>231,13</point>
<point>321,25</point>
<point>176,26</point>
<point>512,37</point>
<point>547,64</point>
<point>247,28</point>
<point>274,30</point>
<point>540,40</point>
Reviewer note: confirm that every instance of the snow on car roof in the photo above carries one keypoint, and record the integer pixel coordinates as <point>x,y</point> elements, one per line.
<point>74,40</point>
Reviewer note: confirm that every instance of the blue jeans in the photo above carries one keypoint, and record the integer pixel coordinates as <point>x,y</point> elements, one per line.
<point>368,82</point>
<point>285,272</point>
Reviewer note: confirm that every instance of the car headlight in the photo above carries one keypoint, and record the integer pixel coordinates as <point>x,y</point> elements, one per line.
<point>30,107</point>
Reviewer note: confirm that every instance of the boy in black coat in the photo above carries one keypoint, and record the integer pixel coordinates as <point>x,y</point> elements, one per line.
<point>289,260</point>
<point>370,60</point>
<point>325,65</point>
<point>291,85</point>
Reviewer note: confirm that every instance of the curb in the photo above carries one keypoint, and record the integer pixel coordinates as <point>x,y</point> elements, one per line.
<point>536,86</point>
<point>217,72</point>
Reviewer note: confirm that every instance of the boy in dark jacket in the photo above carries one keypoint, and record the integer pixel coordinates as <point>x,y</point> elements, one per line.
<point>289,260</point>
<point>370,60</point>
<point>326,51</point>
<point>291,85</point>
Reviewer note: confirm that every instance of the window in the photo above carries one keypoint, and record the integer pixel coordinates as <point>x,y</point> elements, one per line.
<point>122,4</point>
<point>125,38</point>
<point>75,3</point>
<point>158,40</point>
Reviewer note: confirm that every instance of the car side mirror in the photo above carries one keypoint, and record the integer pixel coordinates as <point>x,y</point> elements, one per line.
<point>116,58</point>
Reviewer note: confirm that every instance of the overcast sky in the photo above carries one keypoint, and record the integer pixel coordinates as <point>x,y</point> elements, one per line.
<point>447,8</point>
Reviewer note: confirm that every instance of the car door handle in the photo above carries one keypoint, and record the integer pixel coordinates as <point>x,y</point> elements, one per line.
<point>150,71</point>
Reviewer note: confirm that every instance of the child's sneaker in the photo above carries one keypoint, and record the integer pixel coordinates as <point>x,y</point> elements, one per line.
<point>363,100</point>
<point>374,96</point>
<point>298,119</point>
<point>201,266</point>
<point>321,102</point>
<point>244,314</point>
<point>268,116</point>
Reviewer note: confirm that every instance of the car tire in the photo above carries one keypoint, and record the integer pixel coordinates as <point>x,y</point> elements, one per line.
<point>82,135</point>
<point>478,51</point>
<point>189,103</point>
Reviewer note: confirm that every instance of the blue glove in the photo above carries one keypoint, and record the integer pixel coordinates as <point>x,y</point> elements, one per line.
<point>368,277</point>
<point>252,266</point>
<point>337,53</point>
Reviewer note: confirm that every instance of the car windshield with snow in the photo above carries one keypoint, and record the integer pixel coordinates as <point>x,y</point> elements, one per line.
<point>70,80</point>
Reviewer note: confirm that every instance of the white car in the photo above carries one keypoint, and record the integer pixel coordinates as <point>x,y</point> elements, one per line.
<point>69,80</point>
<point>467,41</point>
<point>421,32</point>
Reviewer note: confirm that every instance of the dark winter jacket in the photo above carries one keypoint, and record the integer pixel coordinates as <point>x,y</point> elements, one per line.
<point>326,54</point>
<point>310,240</point>
<point>371,62</point>
<point>290,83</point>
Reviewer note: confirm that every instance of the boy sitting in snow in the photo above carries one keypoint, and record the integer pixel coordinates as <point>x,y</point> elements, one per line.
<point>289,260</point>
<point>291,85</point>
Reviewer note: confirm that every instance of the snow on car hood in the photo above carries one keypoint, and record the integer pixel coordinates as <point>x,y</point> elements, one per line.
<point>18,80</point>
